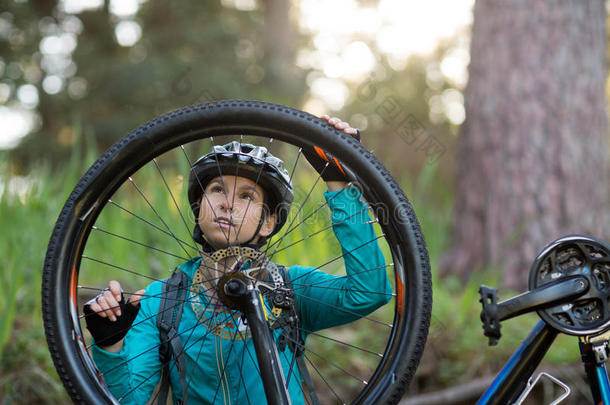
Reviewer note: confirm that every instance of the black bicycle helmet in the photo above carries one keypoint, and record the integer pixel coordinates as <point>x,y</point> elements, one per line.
<point>249,161</point>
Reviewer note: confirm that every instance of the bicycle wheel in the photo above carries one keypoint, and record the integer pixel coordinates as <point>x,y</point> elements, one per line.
<point>128,219</point>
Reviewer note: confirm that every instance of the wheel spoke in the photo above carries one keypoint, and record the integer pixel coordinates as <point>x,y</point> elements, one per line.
<point>297,213</point>
<point>362,349</point>
<point>277,242</point>
<point>242,382</point>
<point>324,379</point>
<point>114,266</point>
<point>171,195</point>
<point>290,373</point>
<point>185,343</point>
<point>316,232</point>
<point>258,177</point>
<point>350,290</point>
<point>345,311</point>
<point>224,189</point>
<point>352,274</point>
<point>114,203</point>
<point>334,364</point>
<point>133,183</point>
<point>224,367</point>
<point>135,242</point>
<point>156,348</point>
<point>337,258</point>
<point>201,185</point>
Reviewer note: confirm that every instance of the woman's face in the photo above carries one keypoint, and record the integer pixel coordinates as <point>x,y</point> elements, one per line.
<point>230,211</point>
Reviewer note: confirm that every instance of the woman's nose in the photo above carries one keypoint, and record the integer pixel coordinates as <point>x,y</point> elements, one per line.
<point>226,203</point>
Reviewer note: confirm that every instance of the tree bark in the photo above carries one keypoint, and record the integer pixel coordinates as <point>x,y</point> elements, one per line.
<point>533,149</point>
<point>279,43</point>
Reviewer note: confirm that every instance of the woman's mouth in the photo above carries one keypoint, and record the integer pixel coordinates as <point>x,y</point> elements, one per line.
<point>224,222</point>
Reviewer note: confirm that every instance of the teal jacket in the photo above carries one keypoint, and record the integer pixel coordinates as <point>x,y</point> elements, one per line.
<point>132,374</point>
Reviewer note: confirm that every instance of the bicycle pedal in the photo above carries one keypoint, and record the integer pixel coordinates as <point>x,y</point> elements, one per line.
<point>489,314</point>
<point>532,382</point>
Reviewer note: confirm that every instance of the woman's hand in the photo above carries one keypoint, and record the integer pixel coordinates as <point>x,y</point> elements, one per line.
<point>331,170</point>
<point>108,317</point>
<point>341,125</point>
<point>346,127</point>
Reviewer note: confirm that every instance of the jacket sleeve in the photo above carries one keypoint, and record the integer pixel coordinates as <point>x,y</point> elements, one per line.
<point>132,374</point>
<point>326,300</point>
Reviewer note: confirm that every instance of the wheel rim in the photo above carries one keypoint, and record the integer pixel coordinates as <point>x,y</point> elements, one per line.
<point>87,209</point>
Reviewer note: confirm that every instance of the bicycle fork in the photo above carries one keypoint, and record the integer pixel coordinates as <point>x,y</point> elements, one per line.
<point>251,304</point>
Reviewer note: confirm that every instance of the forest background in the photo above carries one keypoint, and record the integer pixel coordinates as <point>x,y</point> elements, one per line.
<point>75,76</point>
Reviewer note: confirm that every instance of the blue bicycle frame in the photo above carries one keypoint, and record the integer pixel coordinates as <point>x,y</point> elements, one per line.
<point>514,376</point>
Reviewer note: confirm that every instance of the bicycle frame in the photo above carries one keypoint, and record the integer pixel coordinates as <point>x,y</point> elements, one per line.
<point>596,374</point>
<point>513,379</point>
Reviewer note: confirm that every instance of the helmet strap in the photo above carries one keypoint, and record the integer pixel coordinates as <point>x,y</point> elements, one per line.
<point>261,221</point>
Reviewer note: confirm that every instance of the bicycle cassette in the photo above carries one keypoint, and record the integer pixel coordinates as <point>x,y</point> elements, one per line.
<point>573,255</point>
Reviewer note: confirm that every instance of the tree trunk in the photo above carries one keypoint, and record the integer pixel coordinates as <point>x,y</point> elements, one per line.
<point>533,150</point>
<point>279,44</point>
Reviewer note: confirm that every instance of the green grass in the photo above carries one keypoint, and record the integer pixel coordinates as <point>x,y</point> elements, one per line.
<point>26,217</point>
<point>29,206</point>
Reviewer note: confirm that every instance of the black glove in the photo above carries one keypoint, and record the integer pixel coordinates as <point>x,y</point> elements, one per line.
<point>104,331</point>
<point>318,159</point>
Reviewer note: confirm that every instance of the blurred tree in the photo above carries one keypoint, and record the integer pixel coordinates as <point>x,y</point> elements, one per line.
<point>124,68</point>
<point>279,44</point>
<point>393,107</point>
<point>534,147</point>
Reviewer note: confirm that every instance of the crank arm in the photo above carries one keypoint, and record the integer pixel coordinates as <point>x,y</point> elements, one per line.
<point>548,295</point>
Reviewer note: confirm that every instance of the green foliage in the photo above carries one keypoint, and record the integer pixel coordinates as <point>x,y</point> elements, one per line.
<point>28,207</point>
<point>20,269</point>
<point>26,375</point>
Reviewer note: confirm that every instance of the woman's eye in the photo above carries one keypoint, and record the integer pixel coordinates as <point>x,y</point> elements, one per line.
<point>216,189</point>
<point>247,196</point>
